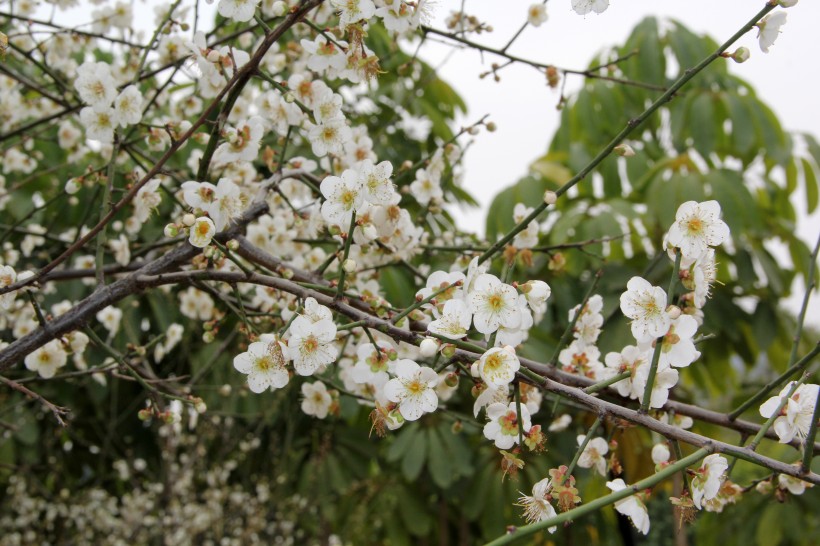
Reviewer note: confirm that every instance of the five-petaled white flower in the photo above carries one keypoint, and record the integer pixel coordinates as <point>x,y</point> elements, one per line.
<point>537,507</point>
<point>343,196</point>
<point>317,401</point>
<point>453,322</point>
<point>594,454</point>
<point>310,345</point>
<point>666,377</point>
<point>413,389</point>
<point>264,364</point>
<point>353,11</point>
<point>376,185</point>
<point>708,478</point>
<point>697,227</point>
<point>631,507</point>
<point>238,10</point>
<point>795,417</point>
<point>202,232</point>
<point>536,14</point>
<point>503,426</point>
<point>497,366</point>
<point>493,304</point>
<point>769,29</point>
<point>47,359</point>
<point>646,306</point>
<point>8,277</point>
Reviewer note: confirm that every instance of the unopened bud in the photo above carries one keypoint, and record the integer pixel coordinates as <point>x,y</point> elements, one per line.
<point>428,347</point>
<point>233,244</point>
<point>764,487</point>
<point>741,55</point>
<point>786,3</point>
<point>474,370</point>
<point>289,98</point>
<point>457,427</point>
<point>448,351</point>
<point>144,414</point>
<point>550,197</point>
<point>189,219</point>
<point>334,230</point>
<point>200,406</point>
<point>225,390</point>
<point>208,337</point>
<point>673,311</point>
<point>491,126</point>
<point>171,230</point>
<point>213,56</point>
<point>278,9</point>
<point>624,150</point>
<point>349,265</point>
<point>72,186</point>
<point>451,380</point>
<point>392,354</point>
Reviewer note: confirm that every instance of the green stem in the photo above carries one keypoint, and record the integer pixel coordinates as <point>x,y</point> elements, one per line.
<point>656,356</point>
<point>563,342</point>
<point>607,382</point>
<point>420,303</point>
<point>348,240</point>
<point>808,446</point>
<point>597,504</point>
<point>581,449</point>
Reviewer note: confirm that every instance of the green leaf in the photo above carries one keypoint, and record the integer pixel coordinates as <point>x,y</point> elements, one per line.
<point>811,186</point>
<point>403,440</point>
<point>438,461</point>
<point>414,456</point>
<point>702,121</point>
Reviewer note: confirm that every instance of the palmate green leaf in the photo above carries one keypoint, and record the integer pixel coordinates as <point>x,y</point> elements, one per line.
<point>414,457</point>
<point>703,124</point>
<point>439,462</point>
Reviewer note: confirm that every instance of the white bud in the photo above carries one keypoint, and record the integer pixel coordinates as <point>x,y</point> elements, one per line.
<point>289,98</point>
<point>741,55</point>
<point>72,186</point>
<point>171,230</point>
<point>550,197</point>
<point>349,265</point>
<point>673,311</point>
<point>474,370</point>
<point>278,9</point>
<point>624,150</point>
<point>189,219</point>
<point>213,56</point>
<point>428,347</point>
<point>660,453</point>
<point>787,3</point>
<point>370,232</point>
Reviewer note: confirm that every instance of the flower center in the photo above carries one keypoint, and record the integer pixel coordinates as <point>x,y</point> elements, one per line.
<point>310,345</point>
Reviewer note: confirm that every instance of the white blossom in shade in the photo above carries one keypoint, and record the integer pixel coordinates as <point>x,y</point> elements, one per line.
<point>242,142</point>
<point>110,318</point>
<point>697,227</point>
<point>227,203</point>
<point>413,389</point>
<point>536,14</point>
<point>581,359</point>
<point>373,361</point>
<point>95,85</point>
<point>794,419</point>
<point>8,276</point>
<point>202,232</point>
<point>502,428</point>
<point>47,359</point>
<point>491,396</point>
<point>329,137</point>
<point>440,280</point>
<point>527,238</point>
<point>676,420</point>
<point>628,360</point>
<point>147,199</point>
<point>769,29</point>
<point>316,400</point>
<point>311,344</point>
<point>196,304</point>
<point>497,366</point>
<point>666,377</point>
<point>426,187</point>
<point>323,55</point>
<point>517,335</point>
<point>660,453</point>
<point>327,106</point>
<point>353,11</point>
<point>128,106</point>
<point>678,347</point>
<point>399,17</point>
<point>708,478</point>
<point>493,304</point>
<point>121,249</point>
<point>376,184</point>
<point>582,7</point>
<point>99,126</point>
<point>454,322</point>
<point>238,10</point>
<point>560,423</point>
<point>702,276</point>
<point>588,326</point>
<point>646,306</point>
<point>631,507</point>
<point>264,364</point>
<point>537,507</point>
<point>594,454</point>
<point>793,485</point>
